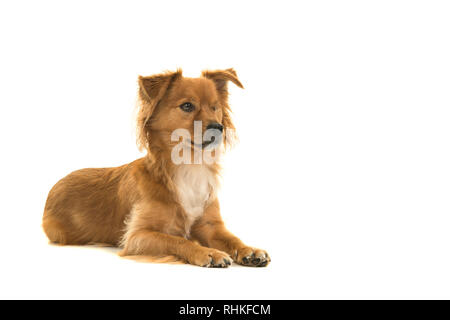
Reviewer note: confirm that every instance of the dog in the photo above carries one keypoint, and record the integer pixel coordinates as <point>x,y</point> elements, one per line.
<point>154,206</point>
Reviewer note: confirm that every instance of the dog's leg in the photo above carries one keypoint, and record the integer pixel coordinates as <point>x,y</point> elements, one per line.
<point>146,242</point>
<point>210,231</point>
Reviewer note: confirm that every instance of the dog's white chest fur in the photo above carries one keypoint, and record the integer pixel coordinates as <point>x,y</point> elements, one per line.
<point>196,187</point>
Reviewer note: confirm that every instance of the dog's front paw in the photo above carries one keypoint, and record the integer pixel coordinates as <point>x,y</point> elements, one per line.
<point>251,257</point>
<point>211,258</point>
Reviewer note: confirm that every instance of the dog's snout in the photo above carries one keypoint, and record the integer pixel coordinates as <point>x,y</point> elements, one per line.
<point>216,126</point>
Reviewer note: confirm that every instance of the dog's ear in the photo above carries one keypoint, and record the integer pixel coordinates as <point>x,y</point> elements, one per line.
<point>151,90</point>
<point>221,78</point>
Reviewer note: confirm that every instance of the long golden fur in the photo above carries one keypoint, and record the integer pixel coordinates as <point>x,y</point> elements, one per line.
<point>150,206</point>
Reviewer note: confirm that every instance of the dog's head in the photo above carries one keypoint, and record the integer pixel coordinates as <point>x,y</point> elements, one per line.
<point>170,102</point>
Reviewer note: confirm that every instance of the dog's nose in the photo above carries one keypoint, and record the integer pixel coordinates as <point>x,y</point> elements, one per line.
<point>215,125</point>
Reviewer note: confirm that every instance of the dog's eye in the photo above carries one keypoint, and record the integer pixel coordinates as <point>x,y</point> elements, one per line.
<point>214,108</point>
<point>187,107</point>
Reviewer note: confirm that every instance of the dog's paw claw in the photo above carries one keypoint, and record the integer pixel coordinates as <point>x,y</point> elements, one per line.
<point>256,261</point>
<point>263,264</point>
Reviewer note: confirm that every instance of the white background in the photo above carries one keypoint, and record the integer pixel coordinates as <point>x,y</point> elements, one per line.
<point>342,172</point>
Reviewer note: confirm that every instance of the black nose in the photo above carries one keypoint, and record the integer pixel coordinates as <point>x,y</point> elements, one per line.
<point>215,125</point>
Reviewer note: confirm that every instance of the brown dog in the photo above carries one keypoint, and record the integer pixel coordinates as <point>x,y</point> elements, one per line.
<point>153,206</point>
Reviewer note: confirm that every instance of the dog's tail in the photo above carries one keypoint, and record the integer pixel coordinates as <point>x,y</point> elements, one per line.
<point>154,259</point>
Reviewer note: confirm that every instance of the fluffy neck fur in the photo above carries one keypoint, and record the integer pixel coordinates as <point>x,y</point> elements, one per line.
<point>196,187</point>
<point>193,186</point>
